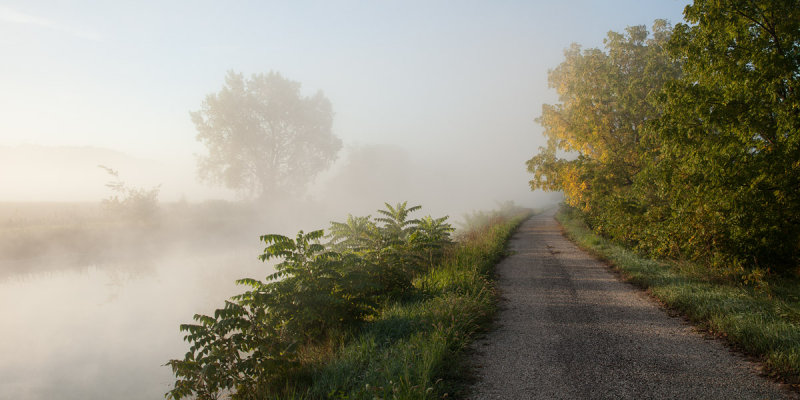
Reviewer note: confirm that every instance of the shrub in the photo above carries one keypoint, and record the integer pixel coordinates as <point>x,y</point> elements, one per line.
<point>251,347</point>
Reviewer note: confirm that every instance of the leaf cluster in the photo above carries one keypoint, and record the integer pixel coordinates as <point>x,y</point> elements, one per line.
<point>252,347</point>
<point>686,143</point>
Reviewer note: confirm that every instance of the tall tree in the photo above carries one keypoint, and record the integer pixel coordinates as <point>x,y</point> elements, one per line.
<point>595,134</point>
<point>264,138</point>
<point>729,164</point>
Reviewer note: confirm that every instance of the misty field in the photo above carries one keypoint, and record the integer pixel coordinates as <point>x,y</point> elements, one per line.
<point>37,237</point>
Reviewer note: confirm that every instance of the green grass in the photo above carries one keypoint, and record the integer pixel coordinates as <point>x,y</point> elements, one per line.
<point>761,320</point>
<point>413,348</point>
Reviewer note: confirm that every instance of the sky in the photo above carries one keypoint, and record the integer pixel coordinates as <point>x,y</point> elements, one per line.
<point>461,82</point>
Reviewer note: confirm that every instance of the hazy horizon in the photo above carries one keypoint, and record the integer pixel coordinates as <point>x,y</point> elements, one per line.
<point>455,86</point>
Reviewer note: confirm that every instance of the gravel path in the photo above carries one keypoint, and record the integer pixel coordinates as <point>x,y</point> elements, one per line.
<point>569,329</point>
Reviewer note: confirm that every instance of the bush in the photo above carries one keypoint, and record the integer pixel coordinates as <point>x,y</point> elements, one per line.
<point>252,347</point>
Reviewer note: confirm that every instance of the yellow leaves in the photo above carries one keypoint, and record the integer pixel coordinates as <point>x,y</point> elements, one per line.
<point>574,187</point>
<point>604,103</point>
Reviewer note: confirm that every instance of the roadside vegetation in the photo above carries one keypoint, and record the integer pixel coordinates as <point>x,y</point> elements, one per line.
<point>377,308</point>
<point>762,320</point>
<point>685,143</point>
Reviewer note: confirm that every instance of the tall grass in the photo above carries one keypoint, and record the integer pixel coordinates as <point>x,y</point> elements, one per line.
<point>413,348</point>
<point>762,319</point>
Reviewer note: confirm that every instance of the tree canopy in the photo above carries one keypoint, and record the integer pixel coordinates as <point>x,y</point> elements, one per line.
<point>606,100</point>
<point>729,166</point>
<point>686,144</point>
<point>264,138</point>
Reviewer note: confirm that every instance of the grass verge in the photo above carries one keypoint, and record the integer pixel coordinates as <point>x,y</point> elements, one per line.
<point>762,321</point>
<point>413,348</point>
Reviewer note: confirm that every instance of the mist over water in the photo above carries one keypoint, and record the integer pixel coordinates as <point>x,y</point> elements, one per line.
<point>105,331</point>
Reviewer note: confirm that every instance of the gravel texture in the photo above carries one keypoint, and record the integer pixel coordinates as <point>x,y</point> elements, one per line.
<point>568,328</point>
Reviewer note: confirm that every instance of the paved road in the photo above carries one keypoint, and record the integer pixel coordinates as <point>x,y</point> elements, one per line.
<point>569,329</point>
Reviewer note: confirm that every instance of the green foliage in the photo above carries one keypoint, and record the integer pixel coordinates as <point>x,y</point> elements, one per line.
<point>263,137</point>
<point>396,225</point>
<point>253,347</point>
<point>315,291</point>
<point>686,145</point>
<point>727,179</point>
<point>357,234</point>
<point>606,102</point>
<point>413,348</point>
<point>401,246</point>
<point>239,350</point>
<point>397,252</point>
<point>604,107</point>
<point>431,236</point>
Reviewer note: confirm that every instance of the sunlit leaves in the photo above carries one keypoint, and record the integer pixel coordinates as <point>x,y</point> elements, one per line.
<point>686,144</point>
<point>596,135</point>
<point>431,236</point>
<point>355,234</point>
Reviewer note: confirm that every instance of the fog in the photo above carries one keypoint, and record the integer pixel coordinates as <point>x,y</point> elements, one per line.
<point>434,104</point>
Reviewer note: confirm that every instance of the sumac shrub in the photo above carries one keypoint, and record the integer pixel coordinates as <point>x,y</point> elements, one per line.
<point>251,347</point>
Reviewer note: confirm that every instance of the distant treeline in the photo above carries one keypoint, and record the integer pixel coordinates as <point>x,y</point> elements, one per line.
<point>685,143</point>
